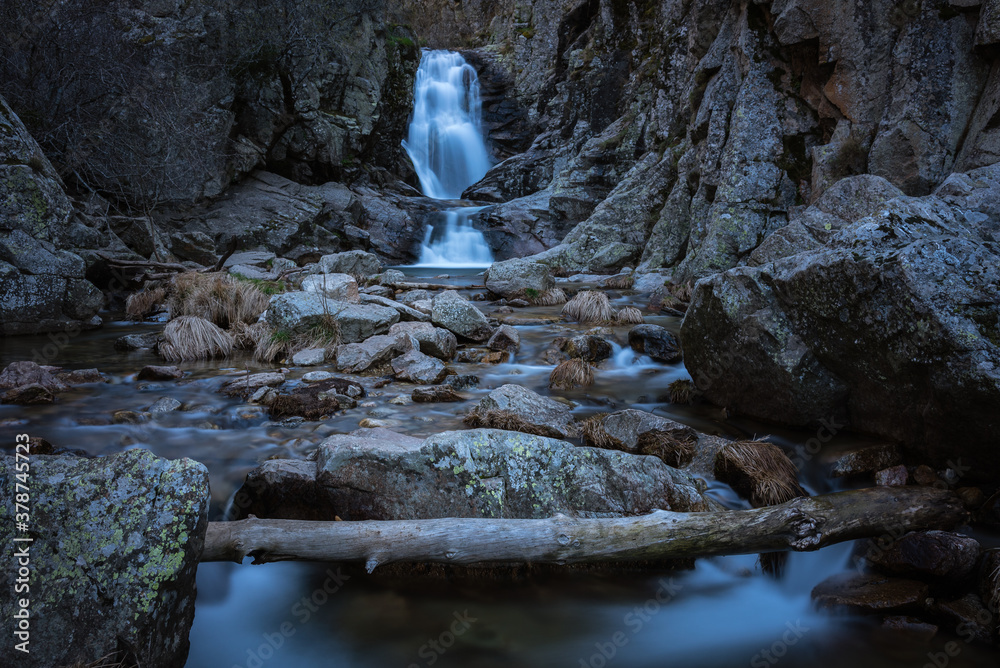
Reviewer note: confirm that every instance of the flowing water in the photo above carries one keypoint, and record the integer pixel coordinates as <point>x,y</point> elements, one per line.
<point>722,613</point>
<point>445,144</point>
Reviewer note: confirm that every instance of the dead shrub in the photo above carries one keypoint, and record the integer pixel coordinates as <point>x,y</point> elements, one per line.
<point>192,338</point>
<point>144,303</point>
<point>507,421</point>
<point>218,298</point>
<point>589,306</point>
<point>571,374</point>
<point>620,282</point>
<point>629,315</point>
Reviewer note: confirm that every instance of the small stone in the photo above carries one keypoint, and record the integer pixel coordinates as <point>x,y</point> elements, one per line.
<point>164,405</point>
<point>895,476</point>
<point>496,357</point>
<point>133,342</point>
<point>867,460</point>
<point>28,395</point>
<point>309,357</point>
<point>925,475</point>
<point>82,377</point>
<point>656,342</point>
<point>436,393</point>
<point>373,423</point>
<point>127,417</point>
<point>462,382</point>
<point>972,498</point>
<point>519,303</point>
<point>159,373</point>
<point>317,377</point>
<point>971,616</point>
<point>264,396</point>
<point>910,627</point>
<point>401,400</point>
<point>505,338</point>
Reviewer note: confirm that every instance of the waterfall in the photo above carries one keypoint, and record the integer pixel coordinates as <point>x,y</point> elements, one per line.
<point>445,143</point>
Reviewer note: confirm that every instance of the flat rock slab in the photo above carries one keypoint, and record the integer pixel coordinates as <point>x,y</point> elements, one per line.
<point>870,593</point>
<point>473,473</point>
<point>115,550</point>
<point>539,414</point>
<point>935,554</point>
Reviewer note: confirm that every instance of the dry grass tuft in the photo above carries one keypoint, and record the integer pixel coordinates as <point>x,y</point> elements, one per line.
<point>571,374</point>
<point>620,282</point>
<point>192,338</point>
<point>681,291</point>
<point>759,471</point>
<point>594,435</point>
<point>275,345</point>
<point>247,337</point>
<point>552,297</point>
<point>218,298</point>
<point>506,420</point>
<point>672,450</point>
<point>589,306</point>
<point>113,660</point>
<point>682,392</point>
<point>629,315</point>
<point>762,473</point>
<point>140,305</point>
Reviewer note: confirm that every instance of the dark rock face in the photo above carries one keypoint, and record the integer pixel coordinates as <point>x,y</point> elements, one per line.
<point>927,554</point>
<point>870,593</point>
<point>122,573</point>
<point>892,328</point>
<point>655,341</point>
<point>42,288</point>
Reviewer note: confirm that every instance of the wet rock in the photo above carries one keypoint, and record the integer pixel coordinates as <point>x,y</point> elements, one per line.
<point>927,554</point>
<point>656,342</point>
<point>382,291</point>
<point>867,460</point>
<point>373,353</point>
<point>128,417</point>
<point>463,381</point>
<point>245,386</point>
<point>624,429</point>
<point>152,372</point>
<point>417,367</point>
<point>406,313</point>
<point>28,395</point>
<point>309,357</point>
<point>477,473</point>
<point>972,497</point>
<point>264,396</point>
<point>25,374</point>
<point>434,341</point>
<point>355,263</point>
<point>316,401</point>
<point>341,287</point>
<point>910,628</point>
<point>969,618</point>
<point>458,315</point>
<point>131,342</point>
<point>518,408</point>
<point>82,377</point>
<point>989,579</point>
<point>164,405</point>
<point>518,278</point>
<point>124,569</point>
<point>505,338</point>
<point>591,349</point>
<point>298,312</point>
<point>870,593</point>
<point>390,277</point>
<point>925,475</point>
<point>436,394</point>
<point>316,376</point>
<point>896,476</point>
<point>378,423</point>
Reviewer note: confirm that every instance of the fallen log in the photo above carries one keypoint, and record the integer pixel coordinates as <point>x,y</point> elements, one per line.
<point>802,524</point>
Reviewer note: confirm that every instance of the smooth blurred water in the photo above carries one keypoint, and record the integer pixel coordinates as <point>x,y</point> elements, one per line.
<point>446,145</point>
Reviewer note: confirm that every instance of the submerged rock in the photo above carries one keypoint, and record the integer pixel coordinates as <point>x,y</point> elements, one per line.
<point>505,339</point>
<point>870,593</point>
<point>656,342</point>
<point>131,342</point>
<point>436,394</point>
<point>152,372</point>
<point>474,473</point>
<point>316,400</point>
<point>593,349</point>
<point>121,574</point>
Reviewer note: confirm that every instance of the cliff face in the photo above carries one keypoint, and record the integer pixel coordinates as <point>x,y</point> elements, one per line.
<point>163,101</point>
<point>680,134</point>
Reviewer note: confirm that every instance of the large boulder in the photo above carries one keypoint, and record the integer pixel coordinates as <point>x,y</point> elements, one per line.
<point>373,353</point>
<point>416,367</point>
<point>297,312</point>
<point>42,288</point>
<point>355,263</point>
<point>341,287</point>
<point>474,473</point>
<point>518,278</point>
<point>893,328</point>
<point>116,543</point>
<point>460,316</point>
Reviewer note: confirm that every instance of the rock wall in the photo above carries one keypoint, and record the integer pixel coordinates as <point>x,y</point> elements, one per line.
<point>42,288</point>
<point>679,134</point>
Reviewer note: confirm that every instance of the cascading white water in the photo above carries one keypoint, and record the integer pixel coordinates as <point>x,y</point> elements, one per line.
<point>445,143</point>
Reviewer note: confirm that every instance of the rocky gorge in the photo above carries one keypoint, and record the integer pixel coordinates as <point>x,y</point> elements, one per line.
<point>745,251</point>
